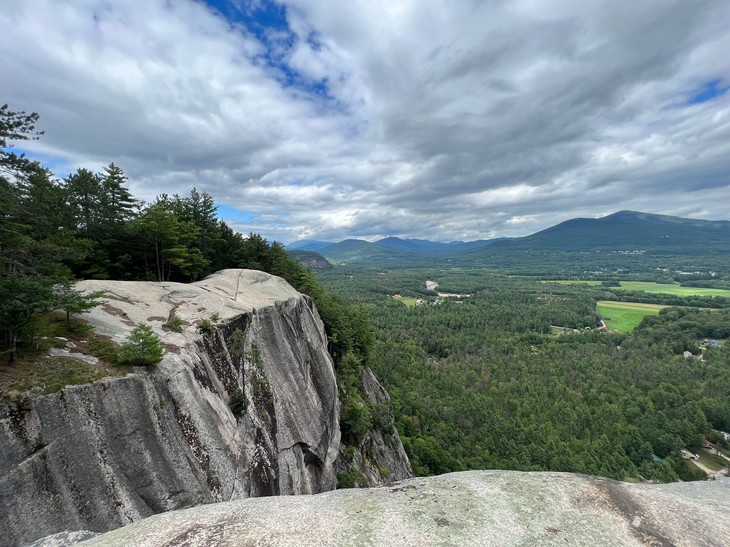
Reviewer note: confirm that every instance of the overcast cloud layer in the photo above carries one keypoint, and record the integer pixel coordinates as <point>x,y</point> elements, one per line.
<point>432,119</point>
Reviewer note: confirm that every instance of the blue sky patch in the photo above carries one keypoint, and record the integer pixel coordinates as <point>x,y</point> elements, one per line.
<point>258,17</point>
<point>226,212</point>
<point>267,21</point>
<point>709,91</point>
<point>58,165</point>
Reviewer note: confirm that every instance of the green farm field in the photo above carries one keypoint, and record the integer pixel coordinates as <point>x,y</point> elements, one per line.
<point>672,289</point>
<point>625,316</point>
<point>651,287</point>
<point>573,282</point>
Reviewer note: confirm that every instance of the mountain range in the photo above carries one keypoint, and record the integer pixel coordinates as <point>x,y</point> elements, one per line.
<point>621,232</point>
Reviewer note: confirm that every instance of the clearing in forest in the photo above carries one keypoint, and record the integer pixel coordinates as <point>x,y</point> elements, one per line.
<point>625,316</point>
<point>650,287</point>
<point>665,288</point>
<point>573,282</point>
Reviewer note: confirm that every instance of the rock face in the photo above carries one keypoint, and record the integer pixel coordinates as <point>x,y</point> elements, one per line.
<point>102,455</point>
<point>471,508</point>
<point>380,457</point>
<point>310,259</point>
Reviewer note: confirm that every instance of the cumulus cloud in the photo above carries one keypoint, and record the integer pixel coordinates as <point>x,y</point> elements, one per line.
<point>434,119</point>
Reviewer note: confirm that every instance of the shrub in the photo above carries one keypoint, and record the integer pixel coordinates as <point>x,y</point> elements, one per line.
<point>237,402</point>
<point>103,348</point>
<point>174,323</point>
<point>206,327</point>
<point>142,348</point>
<point>353,479</point>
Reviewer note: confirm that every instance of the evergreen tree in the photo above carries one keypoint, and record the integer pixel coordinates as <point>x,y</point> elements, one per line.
<point>15,126</point>
<point>117,203</point>
<point>72,301</point>
<point>84,191</point>
<point>31,258</point>
<point>142,348</point>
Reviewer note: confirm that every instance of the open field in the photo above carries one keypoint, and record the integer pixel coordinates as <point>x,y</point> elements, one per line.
<point>672,289</point>
<point>625,316</point>
<point>408,301</point>
<point>651,287</point>
<point>574,282</point>
<point>711,460</point>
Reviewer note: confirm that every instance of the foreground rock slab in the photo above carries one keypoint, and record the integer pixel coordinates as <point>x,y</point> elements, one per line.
<point>469,508</point>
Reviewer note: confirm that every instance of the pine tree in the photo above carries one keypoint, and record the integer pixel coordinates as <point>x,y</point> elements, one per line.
<point>142,348</point>
<point>31,260</point>
<point>117,202</point>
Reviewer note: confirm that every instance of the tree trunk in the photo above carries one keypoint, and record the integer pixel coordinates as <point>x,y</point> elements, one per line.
<point>12,345</point>
<point>159,262</point>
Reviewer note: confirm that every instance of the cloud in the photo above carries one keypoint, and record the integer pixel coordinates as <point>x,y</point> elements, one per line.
<point>444,120</point>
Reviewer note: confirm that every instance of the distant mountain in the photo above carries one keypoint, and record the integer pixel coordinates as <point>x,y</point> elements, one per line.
<point>627,231</point>
<point>466,245</point>
<point>307,245</point>
<point>423,246</point>
<point>310,259</point>
<point>357,250</point>
<point>395,249</point>
<point>398,244</point>
<point>622,232</point>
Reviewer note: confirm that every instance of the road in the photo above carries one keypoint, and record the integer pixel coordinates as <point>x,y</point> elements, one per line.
<point>710,472</point>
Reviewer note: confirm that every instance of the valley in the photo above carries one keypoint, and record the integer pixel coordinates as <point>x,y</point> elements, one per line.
<point>520,375</point>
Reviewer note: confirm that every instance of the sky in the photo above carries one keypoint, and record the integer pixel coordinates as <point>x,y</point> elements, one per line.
<point>442,120</point>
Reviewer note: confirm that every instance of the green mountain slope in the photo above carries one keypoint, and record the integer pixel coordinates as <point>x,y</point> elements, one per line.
<point>628,231</point>
<point>351,250</point>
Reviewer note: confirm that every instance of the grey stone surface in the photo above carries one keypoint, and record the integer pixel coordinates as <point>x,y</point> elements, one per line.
<point>64,352</point>
<point>102,455</point>
<point>499,508</point>
<point>64,539</point>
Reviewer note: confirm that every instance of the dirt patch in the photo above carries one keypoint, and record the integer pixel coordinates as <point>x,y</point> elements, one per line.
<point>171,348</point>
<point>112,296</point>
<point>116,312</point>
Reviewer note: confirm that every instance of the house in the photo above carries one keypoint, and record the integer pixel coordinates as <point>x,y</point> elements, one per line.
<point>710,343</point>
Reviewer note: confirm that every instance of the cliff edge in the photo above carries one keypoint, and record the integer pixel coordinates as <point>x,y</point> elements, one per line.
<point>102,455</point>
<point>482,508</point>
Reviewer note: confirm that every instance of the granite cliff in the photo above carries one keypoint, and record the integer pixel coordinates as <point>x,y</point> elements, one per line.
<point>102,455</point>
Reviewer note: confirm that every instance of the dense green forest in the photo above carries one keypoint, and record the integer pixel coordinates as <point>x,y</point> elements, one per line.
<point>483,382</point>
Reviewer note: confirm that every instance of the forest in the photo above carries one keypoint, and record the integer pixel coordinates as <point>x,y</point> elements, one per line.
<point>484,382</point>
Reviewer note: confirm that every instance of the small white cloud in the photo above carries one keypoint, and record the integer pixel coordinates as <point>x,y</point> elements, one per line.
<point>523,219</point>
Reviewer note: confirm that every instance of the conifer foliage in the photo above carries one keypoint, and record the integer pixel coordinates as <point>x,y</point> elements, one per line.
<point>142,348</point>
